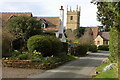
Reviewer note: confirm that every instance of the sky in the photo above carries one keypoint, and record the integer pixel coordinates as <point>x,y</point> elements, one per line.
<point>50,8</point>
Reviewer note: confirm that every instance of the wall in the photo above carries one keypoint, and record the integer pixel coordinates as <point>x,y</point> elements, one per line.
<point>99,38</point>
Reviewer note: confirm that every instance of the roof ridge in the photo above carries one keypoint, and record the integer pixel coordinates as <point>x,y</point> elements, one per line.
<point>47,17</point>
<point>15,12</point>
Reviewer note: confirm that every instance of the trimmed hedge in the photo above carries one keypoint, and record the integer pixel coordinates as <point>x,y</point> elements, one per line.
<point>47,45</point>
<point>56,45</point>
<point>92,48</point>
<point>40,44</point>
<point>103,47</point>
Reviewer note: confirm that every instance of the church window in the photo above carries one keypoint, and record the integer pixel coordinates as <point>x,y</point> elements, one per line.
<point>71,18</point>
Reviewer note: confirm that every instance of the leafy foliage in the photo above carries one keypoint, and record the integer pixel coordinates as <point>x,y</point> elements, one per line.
<point>57,46</point>
<point>103,47</point>
<point>40,44</point>
<point>24,27</point>
<point>47,45</point>
<point>81,50</point>
<point>92,48</point>
<point>65,47</point>
<point>7,39</point>
<point>114,41</point>
<point>79,32</point>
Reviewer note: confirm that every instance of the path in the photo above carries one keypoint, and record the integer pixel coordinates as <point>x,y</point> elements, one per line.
<point>82,68</point>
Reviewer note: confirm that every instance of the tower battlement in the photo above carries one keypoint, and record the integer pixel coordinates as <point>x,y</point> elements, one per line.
<point>73,18</point>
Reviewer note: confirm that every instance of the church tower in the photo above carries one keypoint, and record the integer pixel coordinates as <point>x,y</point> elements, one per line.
<point>73,18</point>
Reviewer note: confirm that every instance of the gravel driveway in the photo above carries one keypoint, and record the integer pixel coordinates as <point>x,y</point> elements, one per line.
<point>8,72</point>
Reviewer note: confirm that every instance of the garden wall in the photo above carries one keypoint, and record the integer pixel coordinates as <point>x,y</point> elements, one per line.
<point>29,64</point>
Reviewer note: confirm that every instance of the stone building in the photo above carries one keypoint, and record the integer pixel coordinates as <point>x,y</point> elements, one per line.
<point>73,18</point>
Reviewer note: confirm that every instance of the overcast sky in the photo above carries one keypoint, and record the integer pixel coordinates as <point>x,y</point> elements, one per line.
<point>50,8</point>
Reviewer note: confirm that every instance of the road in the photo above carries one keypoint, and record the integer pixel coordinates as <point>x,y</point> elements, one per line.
<point>81,68</point>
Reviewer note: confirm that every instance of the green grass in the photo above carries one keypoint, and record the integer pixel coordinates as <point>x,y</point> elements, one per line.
<point>108,74</point>
<point>101,67</point>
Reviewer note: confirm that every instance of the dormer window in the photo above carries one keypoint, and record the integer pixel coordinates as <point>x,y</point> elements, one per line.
<point>13,16</point>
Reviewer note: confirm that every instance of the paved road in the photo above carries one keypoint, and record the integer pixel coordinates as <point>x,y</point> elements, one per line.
<point>81,68</point>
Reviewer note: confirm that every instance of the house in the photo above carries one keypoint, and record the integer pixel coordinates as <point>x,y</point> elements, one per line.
<point>102,38</point>
<point>49,23</point>
<point>92,30</point>
<point>6,15</point>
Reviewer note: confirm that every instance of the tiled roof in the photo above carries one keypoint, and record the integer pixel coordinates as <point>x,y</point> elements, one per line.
<point>50,20</point>
<point>7,15</point>
<point>94,30</point>
<point>53,23</point>
<point>105,35</point>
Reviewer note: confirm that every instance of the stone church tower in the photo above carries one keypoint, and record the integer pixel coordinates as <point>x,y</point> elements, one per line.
<point>73,18</point>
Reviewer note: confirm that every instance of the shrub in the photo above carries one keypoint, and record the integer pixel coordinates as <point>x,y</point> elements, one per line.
<point>40,44</point>
<point>24,56</point>
<point>65,47</point>
<point>103,47</point>
<point>56,45</point>
<point>81,50</point>
<point>92,48</point>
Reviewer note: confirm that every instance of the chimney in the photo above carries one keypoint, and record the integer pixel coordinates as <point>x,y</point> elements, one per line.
<point>61,8</point>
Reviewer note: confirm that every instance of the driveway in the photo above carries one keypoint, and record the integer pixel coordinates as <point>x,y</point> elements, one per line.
<point>81,68</point>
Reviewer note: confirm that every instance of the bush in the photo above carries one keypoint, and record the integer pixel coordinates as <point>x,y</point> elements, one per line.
<point>112,58</point>
<point>57,45</point>
<point>40,44</point>
<point>81,50</point>
<point>103,47</point>
<point>65,47</point>
<point>24,56</point>
<point>47,45</point>
<point>92,48</point>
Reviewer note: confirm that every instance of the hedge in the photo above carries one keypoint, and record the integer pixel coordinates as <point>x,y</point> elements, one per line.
<point>57,45</point>
<point>92,48</point>
<point>80,50</point>
<point>47,45</point>
<point>103,47</point>
<point>114,43</point>
<point>65,47</point>
<point>40,44</point>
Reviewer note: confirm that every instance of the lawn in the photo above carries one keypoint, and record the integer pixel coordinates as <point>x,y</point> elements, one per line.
<point>101,67</point>
<point>107,75</point>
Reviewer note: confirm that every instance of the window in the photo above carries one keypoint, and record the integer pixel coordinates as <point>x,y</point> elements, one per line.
<point>105,42</point>
<point>12,16</point>
<point>71,18</point>
<point>98,42</point>
<point>60,35</point>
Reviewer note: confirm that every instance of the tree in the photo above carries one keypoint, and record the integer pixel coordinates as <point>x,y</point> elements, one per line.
<point>87,37</point>
<point>74,35</point>
<point>24,27</point>
<point>7,39</point>
<point>109,15</point>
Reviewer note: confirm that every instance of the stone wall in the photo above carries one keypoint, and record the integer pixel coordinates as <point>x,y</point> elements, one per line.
<point>29,64</point>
